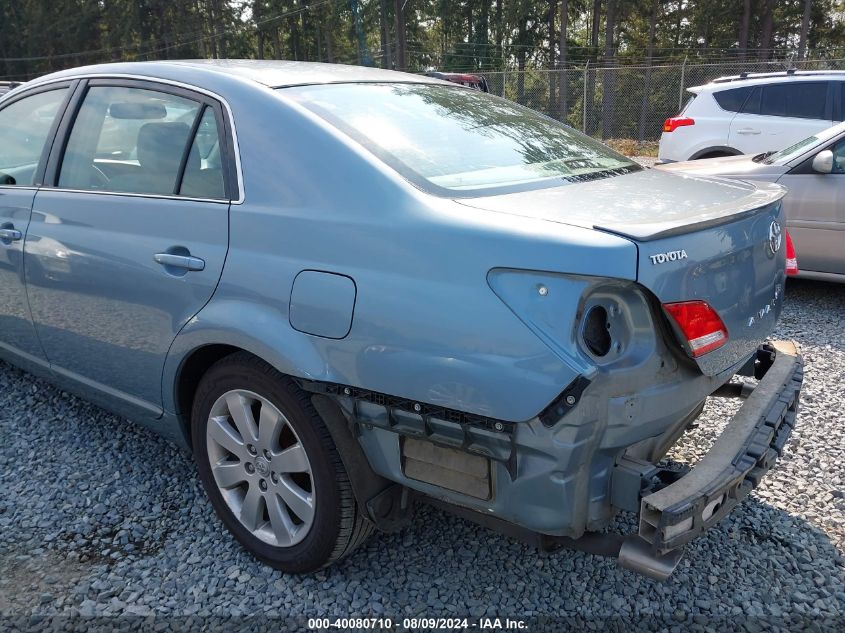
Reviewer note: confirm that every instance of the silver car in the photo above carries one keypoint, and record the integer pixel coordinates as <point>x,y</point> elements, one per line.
<point>813,170</point>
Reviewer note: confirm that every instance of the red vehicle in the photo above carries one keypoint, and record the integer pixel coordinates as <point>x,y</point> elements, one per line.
<point>479,82</point>
<point>6,86</point>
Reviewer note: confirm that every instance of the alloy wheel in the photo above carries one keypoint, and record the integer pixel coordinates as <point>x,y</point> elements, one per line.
<point>260,467</point>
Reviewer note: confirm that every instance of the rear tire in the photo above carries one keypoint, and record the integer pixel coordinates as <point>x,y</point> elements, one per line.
<point>270,467</point>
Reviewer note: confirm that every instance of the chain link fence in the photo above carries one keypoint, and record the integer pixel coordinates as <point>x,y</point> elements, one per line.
<point>623,102</point>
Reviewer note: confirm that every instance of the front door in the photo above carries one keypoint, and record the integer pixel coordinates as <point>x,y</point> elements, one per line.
<point>815,212</point>
<point>130,243</point>
<point>27,124</point>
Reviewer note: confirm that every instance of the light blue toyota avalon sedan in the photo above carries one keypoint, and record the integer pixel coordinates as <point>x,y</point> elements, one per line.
<point>348,291</point>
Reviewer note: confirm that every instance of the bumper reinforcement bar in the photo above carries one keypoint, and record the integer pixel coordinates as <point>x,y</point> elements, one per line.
<point>674,515</point>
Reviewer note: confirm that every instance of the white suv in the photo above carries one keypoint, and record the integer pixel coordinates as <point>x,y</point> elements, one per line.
<point>753,113</point>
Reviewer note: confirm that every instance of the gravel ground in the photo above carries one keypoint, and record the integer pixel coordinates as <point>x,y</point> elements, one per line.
<point>645,161</point>
<point>99,517</point>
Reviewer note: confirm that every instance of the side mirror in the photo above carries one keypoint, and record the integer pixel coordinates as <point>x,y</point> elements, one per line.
<point>823,162</point>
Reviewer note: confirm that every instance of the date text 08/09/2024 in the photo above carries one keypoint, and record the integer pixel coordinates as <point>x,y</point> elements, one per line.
<point>414,624</point>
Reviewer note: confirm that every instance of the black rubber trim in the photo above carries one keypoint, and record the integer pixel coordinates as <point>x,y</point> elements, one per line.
<point>412,406</point>
<point>428,412</point>
<point>559,407</point>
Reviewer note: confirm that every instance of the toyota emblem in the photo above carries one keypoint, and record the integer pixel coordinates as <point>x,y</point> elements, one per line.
<point>775,237</point>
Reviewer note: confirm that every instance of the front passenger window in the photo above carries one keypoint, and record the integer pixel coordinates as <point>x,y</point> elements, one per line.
<point>839,158</point>
<point>24,127</point>
<point>128,140</point>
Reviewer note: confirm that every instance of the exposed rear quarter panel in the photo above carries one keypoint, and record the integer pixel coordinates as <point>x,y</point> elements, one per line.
<point>426,325</point>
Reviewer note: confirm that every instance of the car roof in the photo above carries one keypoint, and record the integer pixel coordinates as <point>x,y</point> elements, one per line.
<point>270,73</point>
<point>757,79</point>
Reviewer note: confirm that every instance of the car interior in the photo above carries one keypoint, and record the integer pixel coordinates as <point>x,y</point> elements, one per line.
<point>137,146</point>
<point>24,129</point>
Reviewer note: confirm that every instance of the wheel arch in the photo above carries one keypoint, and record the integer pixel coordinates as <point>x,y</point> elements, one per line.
<point>224,329</point>
<point>368,487</point>
<point>714,151</point>
<point>188,377</point>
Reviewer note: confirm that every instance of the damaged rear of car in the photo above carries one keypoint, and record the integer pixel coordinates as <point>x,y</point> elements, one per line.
<point>383,288</point>
<point>678,284</point>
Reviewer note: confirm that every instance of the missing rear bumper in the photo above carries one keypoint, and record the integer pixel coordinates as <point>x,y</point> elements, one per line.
<point>676,514</point>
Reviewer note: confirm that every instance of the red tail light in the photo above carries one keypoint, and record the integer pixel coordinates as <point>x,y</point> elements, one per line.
<point>700,325</point>
<point>673,123</point>
<point>791,259</point>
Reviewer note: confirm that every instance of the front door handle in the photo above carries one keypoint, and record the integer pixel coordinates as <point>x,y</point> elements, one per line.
<point>187,262</point>
<point>747,130</point>
<point>10,235</point>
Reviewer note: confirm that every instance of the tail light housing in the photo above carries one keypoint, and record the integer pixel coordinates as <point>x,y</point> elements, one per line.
<point>791,258</point>
<point>673,123</point>
<point>700,324</point>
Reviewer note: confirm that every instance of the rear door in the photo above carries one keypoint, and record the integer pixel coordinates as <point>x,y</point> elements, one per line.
<point>779,114</point>
<point>27,126</point>
<point>129,242</point>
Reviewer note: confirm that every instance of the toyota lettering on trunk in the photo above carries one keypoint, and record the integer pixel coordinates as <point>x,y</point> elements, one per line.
<point>670,256</point>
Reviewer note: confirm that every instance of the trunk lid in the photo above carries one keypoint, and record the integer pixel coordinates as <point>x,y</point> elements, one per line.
<point>733,267</point>
<point>698,238</point>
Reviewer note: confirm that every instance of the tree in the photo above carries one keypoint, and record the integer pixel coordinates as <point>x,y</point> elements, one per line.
<point>399,13</point>
<point>595,21</point>
<point>608,96</point>
<point>805,29</point>
<point>744,25</point>
<point>652,31</point>
<point>767,29</point>
<point>551,18</point>
<point>563,91</point>
<point>38,36</point>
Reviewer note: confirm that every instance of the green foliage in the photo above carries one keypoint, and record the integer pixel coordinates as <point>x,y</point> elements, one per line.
<point>38,36</point>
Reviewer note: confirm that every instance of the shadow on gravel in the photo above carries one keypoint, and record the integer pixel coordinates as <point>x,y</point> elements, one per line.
<point>759,561</point>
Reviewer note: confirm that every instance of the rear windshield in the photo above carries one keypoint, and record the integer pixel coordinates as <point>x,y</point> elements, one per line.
<point>454,141</point>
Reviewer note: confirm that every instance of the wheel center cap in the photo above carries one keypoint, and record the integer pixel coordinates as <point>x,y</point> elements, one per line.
<point>262,466</point>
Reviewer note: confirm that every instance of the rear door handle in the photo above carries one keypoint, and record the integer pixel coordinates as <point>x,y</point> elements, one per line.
<point>180,261</point>
<point>10,235</point>
<point>747,130</point>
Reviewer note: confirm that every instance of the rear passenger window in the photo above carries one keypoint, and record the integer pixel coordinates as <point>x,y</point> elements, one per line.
<point>752,104</point>
<point>802,100</point>
<point>842,100</point>
<point>135,140</point>
<point>204,170</point>
<point>732,100</point>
